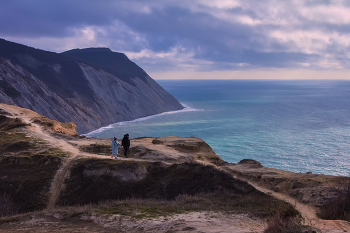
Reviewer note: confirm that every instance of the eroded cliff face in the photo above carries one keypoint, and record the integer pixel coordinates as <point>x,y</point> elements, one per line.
<point>90,87</point>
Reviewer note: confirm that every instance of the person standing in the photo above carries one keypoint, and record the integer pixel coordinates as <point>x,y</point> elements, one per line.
<point>115,145</point>
<point>126,144</point>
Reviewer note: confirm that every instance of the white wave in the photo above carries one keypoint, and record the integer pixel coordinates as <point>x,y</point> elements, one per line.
<point>186,108</point>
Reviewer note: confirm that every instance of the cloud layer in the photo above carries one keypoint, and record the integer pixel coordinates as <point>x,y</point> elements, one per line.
<point>197,35</point>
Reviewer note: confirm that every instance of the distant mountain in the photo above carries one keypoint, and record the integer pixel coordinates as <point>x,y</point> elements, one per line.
<point>91,87</point>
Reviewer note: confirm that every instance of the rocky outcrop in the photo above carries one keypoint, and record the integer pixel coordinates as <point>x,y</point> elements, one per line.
<point>90,87</point>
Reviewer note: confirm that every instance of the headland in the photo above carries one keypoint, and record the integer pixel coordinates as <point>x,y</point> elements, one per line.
<point>52,179</point>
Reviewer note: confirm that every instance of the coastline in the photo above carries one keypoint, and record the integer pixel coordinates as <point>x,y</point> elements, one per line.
<point>297,129</point>
<point>186,108</point>
<point>77,169</point>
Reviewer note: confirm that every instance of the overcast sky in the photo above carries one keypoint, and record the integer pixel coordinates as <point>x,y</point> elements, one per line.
<point>196,38</point>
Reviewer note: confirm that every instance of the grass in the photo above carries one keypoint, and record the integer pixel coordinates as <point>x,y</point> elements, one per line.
<point>165,190</point>
<point>7,123</point>
<point>159,182</point>
<point>281,224</point>
<point>10,137</point>
<point>100,149</point>
<point>20,144</point>
<point>58,127</point>
<point>26,180</point>
<point>27,167</point>
<point>338,208</point>
<point>141,208</point>
<point>258,205</point>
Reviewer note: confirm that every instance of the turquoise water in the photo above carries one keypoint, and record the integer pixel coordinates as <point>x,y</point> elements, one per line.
<point>299,126</point>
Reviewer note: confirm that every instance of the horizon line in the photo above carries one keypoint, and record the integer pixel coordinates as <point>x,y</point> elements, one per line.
<point>279,74</point>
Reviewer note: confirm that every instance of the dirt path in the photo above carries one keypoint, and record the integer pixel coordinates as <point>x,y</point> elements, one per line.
<point>57,183</point>
<point>308,212</point>
<point>63,172</point>
<point>35,130</point>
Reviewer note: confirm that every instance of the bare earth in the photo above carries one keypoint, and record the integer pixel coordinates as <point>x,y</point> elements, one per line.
<point>304,191</point>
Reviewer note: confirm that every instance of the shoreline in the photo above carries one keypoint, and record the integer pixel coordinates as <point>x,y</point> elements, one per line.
<point>186,108</point>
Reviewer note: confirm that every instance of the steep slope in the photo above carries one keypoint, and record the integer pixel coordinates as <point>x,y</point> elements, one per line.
<point>117,64</point>
<point>90,87</point>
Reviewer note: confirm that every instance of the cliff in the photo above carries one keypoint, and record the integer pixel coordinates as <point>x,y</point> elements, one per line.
<point>90,87</point>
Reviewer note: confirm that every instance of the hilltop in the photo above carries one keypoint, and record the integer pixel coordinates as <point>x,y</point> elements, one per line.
<point>90,87</point>
<point>51,179</point>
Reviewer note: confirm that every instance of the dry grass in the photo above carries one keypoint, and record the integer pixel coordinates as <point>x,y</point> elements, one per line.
<point>338,208</point>
<point>7,123</point>
<point>56,127</point>
<point>100,149</point>
<point>219,201</point>
<point>283,224</point>
<point>27,166</point>
<point>164,190</point>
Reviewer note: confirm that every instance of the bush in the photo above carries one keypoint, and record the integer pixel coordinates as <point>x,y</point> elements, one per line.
<point>282,224</point>
<point>338,208</point>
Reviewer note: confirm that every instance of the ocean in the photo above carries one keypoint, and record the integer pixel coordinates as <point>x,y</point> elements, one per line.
<point>298,126</point>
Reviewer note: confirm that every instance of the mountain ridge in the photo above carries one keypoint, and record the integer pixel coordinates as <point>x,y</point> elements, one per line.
<point>91,87</point>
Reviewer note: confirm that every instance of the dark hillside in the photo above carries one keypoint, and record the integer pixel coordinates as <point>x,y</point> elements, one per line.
<point>88,184</point>
<point>40,63</point>
<point>114,63</point>
<point>27,167</point>
<point>91,87</point>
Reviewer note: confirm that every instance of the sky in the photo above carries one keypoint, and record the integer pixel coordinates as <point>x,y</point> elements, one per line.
<point>182,39</point>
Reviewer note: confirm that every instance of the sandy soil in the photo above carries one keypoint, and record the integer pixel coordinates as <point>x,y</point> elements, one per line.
<point>189,222</point>
<point>192,222</point>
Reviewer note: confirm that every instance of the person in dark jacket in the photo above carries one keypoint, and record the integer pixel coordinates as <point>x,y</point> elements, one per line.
<point>126,144</point>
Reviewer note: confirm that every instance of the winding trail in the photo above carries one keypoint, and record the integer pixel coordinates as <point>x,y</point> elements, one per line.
<point>308,212</point>
<point>36,130</point>
<point>63,172</point>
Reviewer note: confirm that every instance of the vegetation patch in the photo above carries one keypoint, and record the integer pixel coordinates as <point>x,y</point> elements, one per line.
<point>27,167</point>
<point>165,190</point>
<point>26,180</point>
<point>100,149</point>
<point>58,127</point>
<point>17,142</point>
<point>221,200</point>
<point>7,123</point>
<point>282,224</point>
<point>338,208</point>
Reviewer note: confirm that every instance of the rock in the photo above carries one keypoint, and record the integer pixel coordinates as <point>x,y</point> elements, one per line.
<point>250,162</point>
